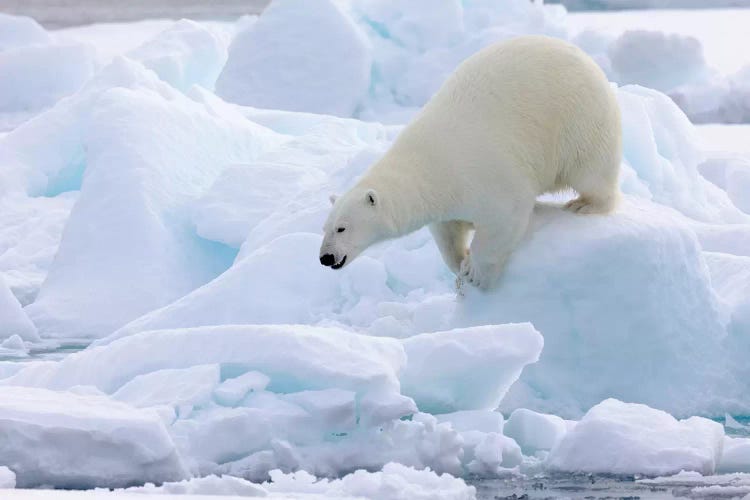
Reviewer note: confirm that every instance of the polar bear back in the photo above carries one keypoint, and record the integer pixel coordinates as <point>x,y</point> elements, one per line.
<point>526,113</point>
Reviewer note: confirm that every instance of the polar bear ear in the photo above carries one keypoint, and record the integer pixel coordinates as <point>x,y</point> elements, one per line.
<point>371,196</point>
<point>333,198</point>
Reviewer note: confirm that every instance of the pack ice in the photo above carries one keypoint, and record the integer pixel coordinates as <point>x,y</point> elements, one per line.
<point>176,230</point>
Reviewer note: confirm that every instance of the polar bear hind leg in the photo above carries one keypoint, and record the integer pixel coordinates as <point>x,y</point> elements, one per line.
<point>452,239</point>
<point>597,185</point>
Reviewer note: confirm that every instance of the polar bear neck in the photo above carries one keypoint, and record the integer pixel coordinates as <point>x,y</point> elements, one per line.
<point>407,198</point>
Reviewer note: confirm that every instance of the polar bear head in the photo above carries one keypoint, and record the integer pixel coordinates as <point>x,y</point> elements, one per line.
<point>356,221</point>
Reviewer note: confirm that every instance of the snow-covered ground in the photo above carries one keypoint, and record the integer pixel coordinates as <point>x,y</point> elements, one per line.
<point>162,192</point>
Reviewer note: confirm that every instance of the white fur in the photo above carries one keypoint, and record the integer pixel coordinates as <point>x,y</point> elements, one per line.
<point>518,119</point>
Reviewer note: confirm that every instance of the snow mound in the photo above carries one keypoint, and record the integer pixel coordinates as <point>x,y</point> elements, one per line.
<point>580,281</point>
<point>73,441</point>
<point>621,438</point>
<point>467,369</point>
<point>325,56</point>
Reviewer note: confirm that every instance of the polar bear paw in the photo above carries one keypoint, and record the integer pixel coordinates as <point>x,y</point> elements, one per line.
<point>585,205</point>
<point>469,272</point>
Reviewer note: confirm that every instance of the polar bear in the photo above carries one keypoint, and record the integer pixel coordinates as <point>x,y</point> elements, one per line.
<point>518,119</point>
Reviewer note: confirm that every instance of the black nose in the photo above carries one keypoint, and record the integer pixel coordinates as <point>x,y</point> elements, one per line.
<point>327,259</point>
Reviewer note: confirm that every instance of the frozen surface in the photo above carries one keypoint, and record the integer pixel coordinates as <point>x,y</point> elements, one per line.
<point>180,232</point>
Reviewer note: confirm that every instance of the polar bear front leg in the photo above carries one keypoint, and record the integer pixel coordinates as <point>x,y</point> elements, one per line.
<point>491,247</point>
<point>452,239</point>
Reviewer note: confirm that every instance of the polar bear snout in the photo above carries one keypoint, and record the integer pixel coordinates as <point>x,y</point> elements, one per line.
<point>329,260</point>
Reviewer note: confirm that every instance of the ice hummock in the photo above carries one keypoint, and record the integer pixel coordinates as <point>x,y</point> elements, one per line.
<point>181,231</point>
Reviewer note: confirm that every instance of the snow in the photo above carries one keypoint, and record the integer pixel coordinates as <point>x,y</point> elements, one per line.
<point>76,441</point>
<point>624,438</point>
<point>178,231</point>
<point>325,55</point>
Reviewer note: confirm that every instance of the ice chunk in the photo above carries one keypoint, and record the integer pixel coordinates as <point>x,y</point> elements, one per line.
<point>730,276</point>
<point>244,195</point>
<point>295,357</point>
<point>736,456</point>
<point>7,478</point>
<point>535,431</point>
<point>325,59</point>
<point>474,420</point>
<point>36,77</point>
<point>13,319</point>
<point>733,176</point>
<point>73,441</point>
<point>621,438</point>
<point>594,286</point>
<point>657,60</point>
<point>232,391</point>
<point>394,482</point>
<point>19,31</point>
<point>185,54</point>
<point>718,100</point>
<point>30,232</point>
<point>467,369</point>
<point>176,387</point>
<point>130,232</point>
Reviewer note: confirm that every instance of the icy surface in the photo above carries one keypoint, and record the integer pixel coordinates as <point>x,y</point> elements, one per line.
<point>181,232</point>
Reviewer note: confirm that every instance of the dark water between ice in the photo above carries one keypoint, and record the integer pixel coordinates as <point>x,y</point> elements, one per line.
<point>571,486</point>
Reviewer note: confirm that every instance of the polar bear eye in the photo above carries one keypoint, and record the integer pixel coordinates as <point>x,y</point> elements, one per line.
<point>341,230</point>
